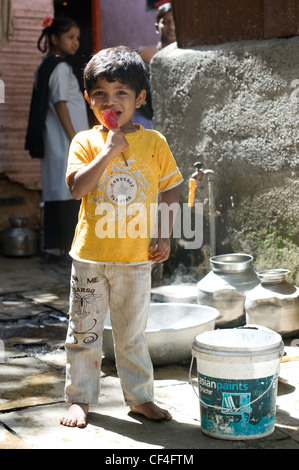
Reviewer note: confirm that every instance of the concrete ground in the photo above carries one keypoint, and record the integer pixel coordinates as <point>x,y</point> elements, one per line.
<point>33,308</point>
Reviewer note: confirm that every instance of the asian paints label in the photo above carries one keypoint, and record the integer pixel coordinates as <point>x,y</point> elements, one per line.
<point>233,409</point>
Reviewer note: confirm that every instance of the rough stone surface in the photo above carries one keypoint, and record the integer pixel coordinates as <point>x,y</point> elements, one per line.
<point>235,108</point>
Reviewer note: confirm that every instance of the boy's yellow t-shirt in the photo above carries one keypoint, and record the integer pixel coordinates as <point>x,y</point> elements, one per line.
<point>117,219</point>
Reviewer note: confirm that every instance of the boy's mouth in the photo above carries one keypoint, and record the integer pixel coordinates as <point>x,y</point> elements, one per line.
<point>118,113</point>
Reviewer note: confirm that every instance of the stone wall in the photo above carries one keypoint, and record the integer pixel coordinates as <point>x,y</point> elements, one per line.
<point>235,107</point>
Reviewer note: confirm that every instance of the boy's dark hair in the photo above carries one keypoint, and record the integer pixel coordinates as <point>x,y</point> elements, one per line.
<point>59,25</point>
<point>116,63</point>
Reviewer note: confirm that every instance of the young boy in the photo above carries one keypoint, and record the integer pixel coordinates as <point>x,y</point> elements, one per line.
<point>114,246</point>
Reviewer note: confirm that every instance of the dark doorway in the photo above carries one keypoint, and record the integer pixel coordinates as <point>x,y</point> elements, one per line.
<point>80,12</point>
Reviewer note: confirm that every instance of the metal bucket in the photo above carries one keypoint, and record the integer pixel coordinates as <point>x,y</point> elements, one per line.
<point>225,287</point>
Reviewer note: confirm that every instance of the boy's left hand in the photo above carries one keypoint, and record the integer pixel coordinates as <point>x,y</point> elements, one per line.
<point>159,250</point>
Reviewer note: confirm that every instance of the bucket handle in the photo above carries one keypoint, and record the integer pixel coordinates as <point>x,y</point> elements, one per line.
<point>190,378</point>
<point>235,410</point>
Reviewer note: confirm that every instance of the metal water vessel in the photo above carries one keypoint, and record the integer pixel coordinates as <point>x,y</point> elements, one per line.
<point>18,241</point>
<point>225,287</point>
<point>274,303</point>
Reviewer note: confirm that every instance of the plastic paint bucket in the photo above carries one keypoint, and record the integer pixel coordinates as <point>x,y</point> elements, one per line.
<point>237,381</point>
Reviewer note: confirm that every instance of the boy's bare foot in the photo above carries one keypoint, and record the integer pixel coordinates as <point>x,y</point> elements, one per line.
<point>76,416</point>
<point>151,411</point>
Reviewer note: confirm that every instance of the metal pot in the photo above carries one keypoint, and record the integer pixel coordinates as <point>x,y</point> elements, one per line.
<point>19,241</point>
<point>274,303</point>
<point>225,287</point>
<point>170,332</point>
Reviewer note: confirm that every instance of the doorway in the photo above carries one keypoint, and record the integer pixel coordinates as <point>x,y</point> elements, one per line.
<point>80,12</point>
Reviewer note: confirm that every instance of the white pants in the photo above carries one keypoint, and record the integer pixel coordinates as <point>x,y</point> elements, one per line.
<point>125,289</point>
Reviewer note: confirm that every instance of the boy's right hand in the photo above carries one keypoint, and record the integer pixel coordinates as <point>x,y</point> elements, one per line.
<point>84,180</point>
<point>116,142</point>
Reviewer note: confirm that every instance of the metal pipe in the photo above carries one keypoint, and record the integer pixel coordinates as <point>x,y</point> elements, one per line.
<point>210,175</point>
<point>212,213</point>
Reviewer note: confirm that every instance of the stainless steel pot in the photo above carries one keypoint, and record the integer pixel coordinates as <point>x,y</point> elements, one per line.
<point>225,287</point>
<point>274,303</point>
<point>170,331</point>
<point>18,241</point>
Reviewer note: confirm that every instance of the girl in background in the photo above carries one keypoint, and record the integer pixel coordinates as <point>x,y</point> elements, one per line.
<point>58,112</point>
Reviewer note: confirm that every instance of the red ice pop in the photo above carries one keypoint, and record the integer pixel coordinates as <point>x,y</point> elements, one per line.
<point>111,122</point>
<point>110,118</point>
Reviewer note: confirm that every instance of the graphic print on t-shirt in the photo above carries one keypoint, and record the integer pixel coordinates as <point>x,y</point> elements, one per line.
<point>120,200</point>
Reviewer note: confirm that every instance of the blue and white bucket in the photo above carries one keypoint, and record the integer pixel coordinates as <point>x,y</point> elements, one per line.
<point>237,381</point>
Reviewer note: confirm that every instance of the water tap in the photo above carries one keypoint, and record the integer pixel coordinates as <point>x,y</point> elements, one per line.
<point>198,174</point>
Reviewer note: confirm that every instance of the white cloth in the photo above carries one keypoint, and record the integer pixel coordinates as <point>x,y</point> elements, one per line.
<point>126,290</point>
<point>63,86</point>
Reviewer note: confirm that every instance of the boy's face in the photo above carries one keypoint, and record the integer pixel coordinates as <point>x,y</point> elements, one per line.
<point>118,96</point>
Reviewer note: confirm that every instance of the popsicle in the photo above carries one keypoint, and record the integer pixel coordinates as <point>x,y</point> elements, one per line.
<point>111,122</point>
<point>110,118</point>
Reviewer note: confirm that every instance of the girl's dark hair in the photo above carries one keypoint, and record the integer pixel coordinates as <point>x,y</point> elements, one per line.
<point>117,63</point>
<point>59,26</point>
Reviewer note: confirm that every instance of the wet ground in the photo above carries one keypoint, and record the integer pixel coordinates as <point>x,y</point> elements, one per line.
<point>33,323</point>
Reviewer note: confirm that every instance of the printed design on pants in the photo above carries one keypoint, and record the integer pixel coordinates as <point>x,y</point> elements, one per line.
<point>92,336</point>
<point>81,302</point>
